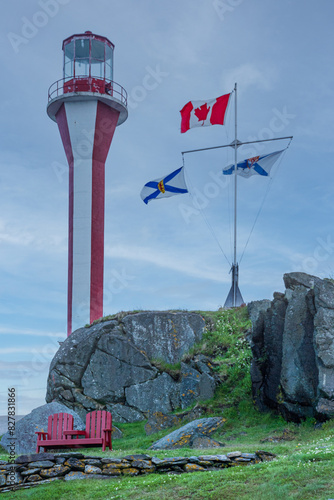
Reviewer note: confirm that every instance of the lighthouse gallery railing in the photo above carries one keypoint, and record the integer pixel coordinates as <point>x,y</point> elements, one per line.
<point>87,84</point>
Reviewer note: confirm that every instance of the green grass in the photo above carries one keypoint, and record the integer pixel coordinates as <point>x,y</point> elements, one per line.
<point>121,314</point>
<point>303,468</point>
<point>226,344</point>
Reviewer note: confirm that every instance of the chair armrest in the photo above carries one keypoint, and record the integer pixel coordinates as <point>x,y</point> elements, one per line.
<point>41,432</point>
<point>107,429</point>
<point>75,433</point>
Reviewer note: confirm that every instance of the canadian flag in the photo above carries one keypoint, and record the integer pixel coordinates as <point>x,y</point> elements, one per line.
<point>204,113</point>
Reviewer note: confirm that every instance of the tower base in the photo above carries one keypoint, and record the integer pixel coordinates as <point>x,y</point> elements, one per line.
<point>234,298</point>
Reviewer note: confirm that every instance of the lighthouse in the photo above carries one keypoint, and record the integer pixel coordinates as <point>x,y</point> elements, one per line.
<point>87,105</point>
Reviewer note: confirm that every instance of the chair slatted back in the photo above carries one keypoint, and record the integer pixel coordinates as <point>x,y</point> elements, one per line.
<point>96,421</point>
<point>57,423</point>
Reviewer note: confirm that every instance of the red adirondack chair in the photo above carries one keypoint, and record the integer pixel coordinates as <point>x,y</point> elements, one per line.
<point>98,431</point>
<point>55,437</point>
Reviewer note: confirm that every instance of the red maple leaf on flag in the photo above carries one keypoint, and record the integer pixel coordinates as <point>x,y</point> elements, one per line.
<point>202,112</point>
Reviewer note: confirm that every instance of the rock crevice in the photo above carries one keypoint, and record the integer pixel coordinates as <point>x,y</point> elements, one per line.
<point>114,366</point>
<point>293,349</point>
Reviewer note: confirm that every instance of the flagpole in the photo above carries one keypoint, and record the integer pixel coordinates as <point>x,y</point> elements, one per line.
<point>234,298</point>
<point>235,196</point>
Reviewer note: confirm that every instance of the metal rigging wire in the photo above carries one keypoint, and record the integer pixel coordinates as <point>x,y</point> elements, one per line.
<point>259,211</point>
<point>189,183</point>
<point>263,201</point>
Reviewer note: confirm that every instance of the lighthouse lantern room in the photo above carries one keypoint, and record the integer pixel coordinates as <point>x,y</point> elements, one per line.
<point>88,63</point>
<point>87,105</point>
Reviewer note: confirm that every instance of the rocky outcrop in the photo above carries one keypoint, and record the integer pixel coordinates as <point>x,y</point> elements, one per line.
<point>293,349</point>
<point>116,365</point>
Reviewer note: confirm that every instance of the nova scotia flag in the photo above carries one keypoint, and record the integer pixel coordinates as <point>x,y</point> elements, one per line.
<point>165,187</point>
<point>260,165</point>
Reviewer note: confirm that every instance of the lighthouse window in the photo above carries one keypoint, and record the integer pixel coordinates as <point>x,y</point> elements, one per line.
<point>97,50</point>
<point>82,49</point>
<point>82,57</point>
<point>97,68</point>
<point>108,71</point>
<point>97,61</point>
<point>68,61</point>
<point>109,61</point>
<point>82,67</point>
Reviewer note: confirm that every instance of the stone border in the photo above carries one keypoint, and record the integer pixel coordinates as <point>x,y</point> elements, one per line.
<point>41,468</point>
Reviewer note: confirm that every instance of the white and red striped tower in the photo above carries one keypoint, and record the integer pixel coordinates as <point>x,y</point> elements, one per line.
<point>87,106</point>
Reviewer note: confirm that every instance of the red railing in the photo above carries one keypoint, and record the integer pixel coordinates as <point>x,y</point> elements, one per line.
<point>87,84</point>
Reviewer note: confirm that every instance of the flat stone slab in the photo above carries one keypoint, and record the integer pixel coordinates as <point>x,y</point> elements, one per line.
<point>75,464</point>
<point>206,442</point>
<point>56,471</point>
<point>186,435</point>
<point>193,468</point>
<point>42,464</point>
<point>158,420</point>
<point>141,456</point>
<point>92,469</point>
<point>22,459</point>
<point>29,472</point>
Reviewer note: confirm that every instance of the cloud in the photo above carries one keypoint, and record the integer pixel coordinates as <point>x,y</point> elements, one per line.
<point>31,332</point>
<point>171,260</point>
<point>47,350</point>
<point>21,373</point>
<point>15,233</point>
<point>250,75</point>
<point>184,263</point>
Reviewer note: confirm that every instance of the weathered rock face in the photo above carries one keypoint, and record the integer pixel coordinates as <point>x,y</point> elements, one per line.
<point>164,335</point>
<point>185,436</point>
<point>110,366</point>
<point>293,349</point>
<point>158,421</point>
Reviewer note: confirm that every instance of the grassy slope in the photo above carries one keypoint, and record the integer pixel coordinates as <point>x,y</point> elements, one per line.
<point>303,468</point>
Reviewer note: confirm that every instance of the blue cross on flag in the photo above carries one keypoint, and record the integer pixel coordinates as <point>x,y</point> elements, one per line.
<point>260,165</point>
<point>169,185</point>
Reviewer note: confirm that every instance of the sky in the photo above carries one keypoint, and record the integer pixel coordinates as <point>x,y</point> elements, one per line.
<point>174,253</point>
